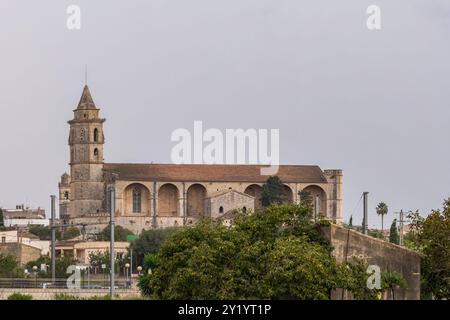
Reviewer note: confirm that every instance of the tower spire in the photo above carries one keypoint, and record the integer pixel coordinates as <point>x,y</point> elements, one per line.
<point>86,101</point>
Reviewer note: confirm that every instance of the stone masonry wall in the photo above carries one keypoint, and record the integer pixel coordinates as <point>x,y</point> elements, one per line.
<point>349,243</point>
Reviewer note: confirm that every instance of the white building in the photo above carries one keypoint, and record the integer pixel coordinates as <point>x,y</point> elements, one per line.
<point>24,217</point>
<point>15,236</point>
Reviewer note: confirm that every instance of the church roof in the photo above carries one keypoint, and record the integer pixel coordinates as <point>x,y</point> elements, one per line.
<point>212,173</point>
<point>86,101</point>
<point>224,192</point>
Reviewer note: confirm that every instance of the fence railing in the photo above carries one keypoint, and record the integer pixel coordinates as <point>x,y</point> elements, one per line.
<point>45,283</point>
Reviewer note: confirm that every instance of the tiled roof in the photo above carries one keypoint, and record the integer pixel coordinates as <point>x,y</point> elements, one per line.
<point>212,173</point>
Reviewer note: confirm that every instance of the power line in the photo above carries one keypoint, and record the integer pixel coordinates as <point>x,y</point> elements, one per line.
<point>357,205</point>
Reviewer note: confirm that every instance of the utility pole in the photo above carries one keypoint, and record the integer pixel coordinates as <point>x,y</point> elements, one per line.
<point>131,261</point>
<point>401,223</point>
<point>112,201</point>
<point>365,222</point>
<point>401,227</point>
<point>53,227</point>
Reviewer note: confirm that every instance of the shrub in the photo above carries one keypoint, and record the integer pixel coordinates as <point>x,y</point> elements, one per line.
<point>20,296</point>
<point>65,296</point>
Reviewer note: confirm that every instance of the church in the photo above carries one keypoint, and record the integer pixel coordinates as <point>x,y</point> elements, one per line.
<point>165,195</point>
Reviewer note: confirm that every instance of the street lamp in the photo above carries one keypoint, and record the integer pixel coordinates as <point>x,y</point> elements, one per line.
<point>139,269</point>
<point>127,265</point>
<point>35,275</point>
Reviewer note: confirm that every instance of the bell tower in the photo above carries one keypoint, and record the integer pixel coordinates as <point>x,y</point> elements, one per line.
<point>86,142</point>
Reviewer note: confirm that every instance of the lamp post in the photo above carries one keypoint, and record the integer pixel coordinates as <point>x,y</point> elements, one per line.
<point>127,266</point>
<point>35,275</point>
<point>139,269</point>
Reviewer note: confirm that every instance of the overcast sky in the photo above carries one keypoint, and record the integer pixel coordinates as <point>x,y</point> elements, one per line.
<point>373,103</point>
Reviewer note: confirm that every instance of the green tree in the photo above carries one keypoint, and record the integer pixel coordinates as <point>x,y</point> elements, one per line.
<point>382,210</point>
<point>306,198</point>
<point>431,236</point>
<point>120,234</point>
<point>300,269</point>
<point>275,253</point>
<point>70,232</point>
<point>44,233</point>
<point>151,262</point>
<point>43,259</point>
<point>149,242</point>
<point>62,263</point>
<point>99,258</point>
<point>9,267</point>
<point>2,223</point>
<point>272,191</point>
<point>393,233</point>
<point>392,280</point>
<point>357,280</point>
<point>376,234</point>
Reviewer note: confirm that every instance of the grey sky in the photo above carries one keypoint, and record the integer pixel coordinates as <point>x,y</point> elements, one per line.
<point>374,103</point>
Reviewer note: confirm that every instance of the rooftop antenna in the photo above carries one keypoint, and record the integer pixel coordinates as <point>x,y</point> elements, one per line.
<point>85,74</point>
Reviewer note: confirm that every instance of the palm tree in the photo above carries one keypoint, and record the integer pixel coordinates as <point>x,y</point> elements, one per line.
<point>382,209</point>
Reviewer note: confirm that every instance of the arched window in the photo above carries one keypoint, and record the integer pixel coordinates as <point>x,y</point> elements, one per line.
<point>66,195</point>
<point>244,209</point>
<point>136,200</point>
<point>221,209</point>
<point>96,154</point>
<point>95,135</point>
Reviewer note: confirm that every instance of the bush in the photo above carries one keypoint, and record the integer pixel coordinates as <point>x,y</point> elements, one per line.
<point>144,285</point>
<point>9,267</point>
<point>120,234</point>
<point>376,234</point>
<point>70,233</point>
<point>20,296</point>
<point>65,296</point>
<point>99,298</point>
<point>44,233</point>
<point>150,261</point>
